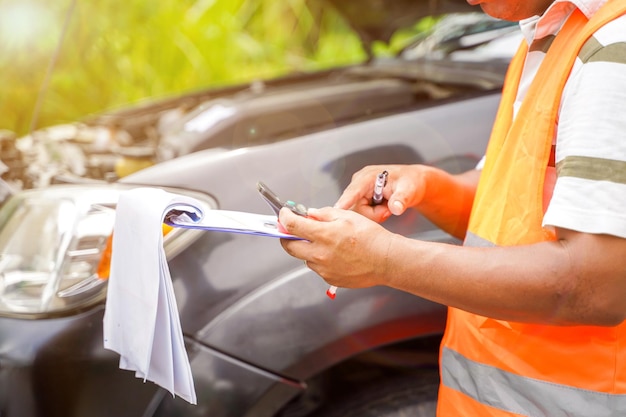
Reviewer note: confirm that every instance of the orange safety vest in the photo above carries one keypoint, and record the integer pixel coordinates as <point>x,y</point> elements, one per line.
<point>500,368</point>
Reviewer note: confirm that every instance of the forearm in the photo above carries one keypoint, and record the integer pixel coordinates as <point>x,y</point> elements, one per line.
<point>578,279</point>
<point>533,283</point>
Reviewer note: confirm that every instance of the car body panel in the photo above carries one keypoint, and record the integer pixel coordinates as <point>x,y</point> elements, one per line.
<point>56,367</point>
<point>244,287</point>
<point>256,321</point>
<point>257,324</point>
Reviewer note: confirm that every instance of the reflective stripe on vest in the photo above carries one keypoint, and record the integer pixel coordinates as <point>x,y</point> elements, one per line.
<point>522,395</point>
<point>499,368</point>
<point>476,241</point>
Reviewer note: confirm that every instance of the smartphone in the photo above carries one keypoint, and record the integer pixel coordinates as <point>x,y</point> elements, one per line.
<point>276,204</point>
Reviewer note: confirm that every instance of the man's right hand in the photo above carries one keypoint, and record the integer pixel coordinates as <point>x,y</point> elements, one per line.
<point>443,198</point>
<point>405,188</point>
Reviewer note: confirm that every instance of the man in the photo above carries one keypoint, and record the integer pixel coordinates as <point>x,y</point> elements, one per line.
<point>537,294</point>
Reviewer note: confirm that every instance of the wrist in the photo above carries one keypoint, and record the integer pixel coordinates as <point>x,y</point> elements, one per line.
<point>393,262</point>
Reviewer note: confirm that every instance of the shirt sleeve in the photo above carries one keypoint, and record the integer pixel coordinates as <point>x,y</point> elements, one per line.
<point>590,191</point>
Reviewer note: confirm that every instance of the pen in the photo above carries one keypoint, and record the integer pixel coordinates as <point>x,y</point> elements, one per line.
<point>379,184</point>
<point>331,292</point>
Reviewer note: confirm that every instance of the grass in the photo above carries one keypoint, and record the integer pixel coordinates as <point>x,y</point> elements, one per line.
<point>118,52</point>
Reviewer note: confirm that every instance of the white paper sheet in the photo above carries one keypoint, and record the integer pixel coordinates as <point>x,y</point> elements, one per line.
<point>141,320</point>
<point>227,221</point>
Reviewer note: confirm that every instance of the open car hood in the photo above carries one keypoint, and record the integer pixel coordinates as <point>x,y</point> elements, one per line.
<point>377,20</point>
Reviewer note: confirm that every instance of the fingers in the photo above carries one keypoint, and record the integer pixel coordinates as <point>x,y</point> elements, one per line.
<point>341,246</point>
<point>360,190</point>
<point>304,227</point>
<point>405,188</point>
<point>296,225</point>
<point>358,195</point>
<point>396,206</point>
<point>350,196</point>
<point>405,192</point>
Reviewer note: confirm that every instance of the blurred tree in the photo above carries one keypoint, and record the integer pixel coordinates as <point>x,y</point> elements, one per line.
<point>121,51</point>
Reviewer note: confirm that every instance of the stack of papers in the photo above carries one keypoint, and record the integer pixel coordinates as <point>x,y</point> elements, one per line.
<point>141,320</point>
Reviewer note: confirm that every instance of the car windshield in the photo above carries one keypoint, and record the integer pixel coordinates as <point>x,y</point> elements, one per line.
<point>471,36</point>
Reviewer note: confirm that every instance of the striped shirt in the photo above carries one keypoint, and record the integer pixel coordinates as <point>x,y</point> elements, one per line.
<point>590,191</point>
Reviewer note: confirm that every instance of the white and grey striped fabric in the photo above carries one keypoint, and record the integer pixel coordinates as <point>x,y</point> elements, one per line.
<point>590,191</point>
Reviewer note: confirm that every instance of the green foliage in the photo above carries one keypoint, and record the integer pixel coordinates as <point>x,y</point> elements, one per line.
<point>117,52</point>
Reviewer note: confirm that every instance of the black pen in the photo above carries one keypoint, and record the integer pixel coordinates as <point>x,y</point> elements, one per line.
<point>379,184</point>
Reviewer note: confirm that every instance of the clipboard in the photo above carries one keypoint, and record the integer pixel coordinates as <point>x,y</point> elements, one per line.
<point>191,216</point>
<point>141,320</point>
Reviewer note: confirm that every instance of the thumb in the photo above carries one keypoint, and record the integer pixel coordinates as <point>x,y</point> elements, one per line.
<point>404,195</point>
<point>325,214</point>
<point>304,227</point>
<point>396,205</point>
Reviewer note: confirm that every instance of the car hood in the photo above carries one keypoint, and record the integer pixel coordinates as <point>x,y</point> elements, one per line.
<point>377,20</point>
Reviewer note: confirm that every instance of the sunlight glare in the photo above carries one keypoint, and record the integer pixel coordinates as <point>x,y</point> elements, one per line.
<point>24,23</point>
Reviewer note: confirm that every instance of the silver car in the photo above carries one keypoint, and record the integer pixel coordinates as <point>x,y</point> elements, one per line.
<point>262,337</point>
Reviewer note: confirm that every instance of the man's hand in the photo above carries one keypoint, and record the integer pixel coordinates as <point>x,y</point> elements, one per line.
<point>405,188</point>
<point>442,198</point>
<point>343,247</point>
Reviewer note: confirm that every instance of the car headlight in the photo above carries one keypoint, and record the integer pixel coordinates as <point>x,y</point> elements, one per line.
<point>55,248</point>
